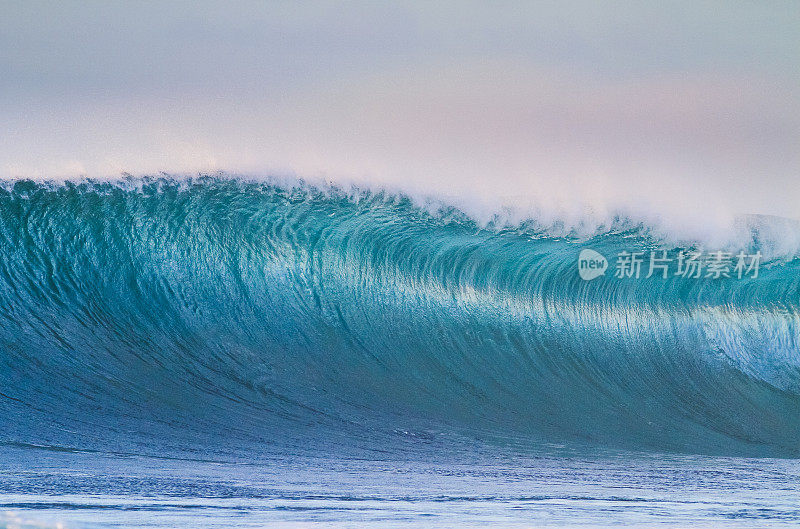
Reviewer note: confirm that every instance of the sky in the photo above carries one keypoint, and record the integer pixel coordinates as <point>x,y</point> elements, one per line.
<point>683,109</point>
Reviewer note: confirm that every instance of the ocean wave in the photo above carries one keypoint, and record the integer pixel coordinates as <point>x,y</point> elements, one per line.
<point>138,310</point>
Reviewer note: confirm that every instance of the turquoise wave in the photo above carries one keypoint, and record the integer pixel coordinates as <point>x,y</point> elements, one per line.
<point>159,313</point>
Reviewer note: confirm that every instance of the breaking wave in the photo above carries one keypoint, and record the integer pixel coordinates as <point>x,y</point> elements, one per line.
<point>154,313</point>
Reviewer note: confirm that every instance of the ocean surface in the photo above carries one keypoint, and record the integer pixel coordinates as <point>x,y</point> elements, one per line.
<point>222,352</point>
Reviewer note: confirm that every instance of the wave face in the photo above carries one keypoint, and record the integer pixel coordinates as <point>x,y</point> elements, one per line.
<point>162,313</point>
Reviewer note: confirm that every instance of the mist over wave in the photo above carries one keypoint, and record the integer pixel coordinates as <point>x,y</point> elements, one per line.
<point>163,312</point>
<point>558,210</point>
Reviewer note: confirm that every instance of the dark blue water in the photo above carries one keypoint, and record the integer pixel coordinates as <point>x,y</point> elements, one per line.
<point>215,352</point>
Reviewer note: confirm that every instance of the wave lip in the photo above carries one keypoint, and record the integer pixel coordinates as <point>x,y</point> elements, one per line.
<point>152,310</point>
